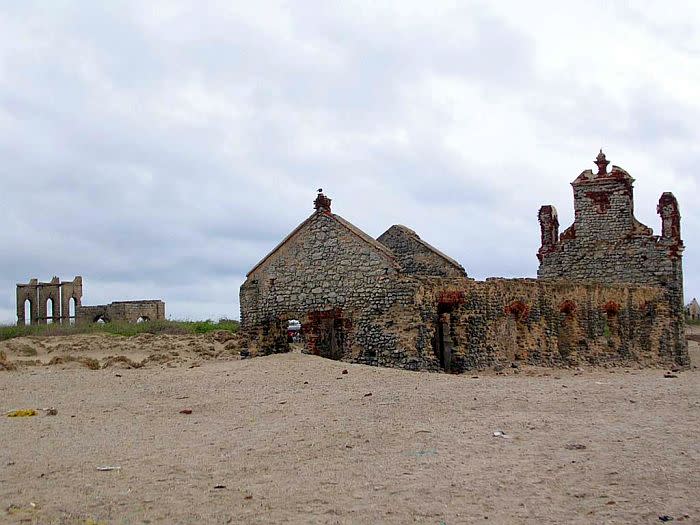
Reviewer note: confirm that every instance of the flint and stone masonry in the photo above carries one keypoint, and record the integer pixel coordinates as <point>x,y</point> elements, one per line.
<point>608,291</point>
<point>63,300</point>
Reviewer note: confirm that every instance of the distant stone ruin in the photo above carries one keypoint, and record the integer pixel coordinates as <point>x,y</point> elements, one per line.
<point>608,291</point>
<point>55,301</point>
<point>692,310</point>
<point>60,302</point>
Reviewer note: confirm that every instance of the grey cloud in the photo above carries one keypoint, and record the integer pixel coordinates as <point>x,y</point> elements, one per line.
<point>111,171</point>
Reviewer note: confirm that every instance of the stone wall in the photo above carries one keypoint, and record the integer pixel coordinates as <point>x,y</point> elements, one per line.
<point>123,311</point>
<point>48,301</point>
<point>60,294</point>
<point>458,324</point>
<point>326,274</point>
<point>607,244</point>
<point>324,265</point>
<point>551,323</point>
<point>416,256</point>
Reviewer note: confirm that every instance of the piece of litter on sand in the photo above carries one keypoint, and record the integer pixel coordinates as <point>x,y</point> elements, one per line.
<point>50,411</point>
<point>670,375</point>
<point>500,434</point>
<point>219,486</point>
<point>368,394</point>
<point>424,452</point>
<point>108,468</point>
<point>186,411</point>
<point>344,372</point>
<point>575,446</point>
<point>24,412</point>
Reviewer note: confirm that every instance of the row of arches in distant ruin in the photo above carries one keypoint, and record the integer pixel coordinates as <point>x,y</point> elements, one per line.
<point>59,301</point>
<point>55,301</point>
<point>29,312</point>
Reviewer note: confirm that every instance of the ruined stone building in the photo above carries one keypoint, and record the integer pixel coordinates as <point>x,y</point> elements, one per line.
<point>692,310</point>
<point>60,302</point>
<point>608,290</point>
<point>56,301</point>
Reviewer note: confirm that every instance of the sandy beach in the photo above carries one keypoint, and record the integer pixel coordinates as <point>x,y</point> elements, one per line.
<point>299,439</point>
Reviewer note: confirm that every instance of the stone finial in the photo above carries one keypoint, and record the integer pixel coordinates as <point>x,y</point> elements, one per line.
<point>602,163</point>
<point>322,204</point>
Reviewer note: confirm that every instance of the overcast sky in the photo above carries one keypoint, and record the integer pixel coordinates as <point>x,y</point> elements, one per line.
<point>160,149</point>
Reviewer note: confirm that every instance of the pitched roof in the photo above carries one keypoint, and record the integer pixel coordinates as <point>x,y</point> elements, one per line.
<point>413,235</point>
<point>376,245</point>
<point>369,240</point>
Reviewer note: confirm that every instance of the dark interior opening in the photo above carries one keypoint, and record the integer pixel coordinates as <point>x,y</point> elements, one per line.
<point>443,344</point>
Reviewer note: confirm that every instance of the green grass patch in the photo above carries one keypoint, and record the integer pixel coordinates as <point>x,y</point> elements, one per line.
<point>120,328</point>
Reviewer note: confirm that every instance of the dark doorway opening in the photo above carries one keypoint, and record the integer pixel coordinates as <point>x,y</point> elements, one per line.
<point>443,343</point>
<point>331,338</point>
<point>327,333</point>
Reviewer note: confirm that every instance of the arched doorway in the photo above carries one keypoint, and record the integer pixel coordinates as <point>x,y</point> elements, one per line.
<point>71,310</point>
<point>27,312</point>
<point>49,311</point>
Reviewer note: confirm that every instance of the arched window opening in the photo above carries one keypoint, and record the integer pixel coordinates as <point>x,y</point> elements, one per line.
<point>71,310</point>
<point>101,319</point>
<point>27,312</point>
<point>49,311</point>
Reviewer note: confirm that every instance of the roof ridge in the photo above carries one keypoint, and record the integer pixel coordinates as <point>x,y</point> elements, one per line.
<point>343,222</point>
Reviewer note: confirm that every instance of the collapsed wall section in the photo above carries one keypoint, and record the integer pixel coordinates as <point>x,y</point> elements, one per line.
<point>122,311</point>
<point>606,243</point>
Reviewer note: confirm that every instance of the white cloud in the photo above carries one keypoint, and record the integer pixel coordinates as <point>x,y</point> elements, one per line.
<point>161,149</point>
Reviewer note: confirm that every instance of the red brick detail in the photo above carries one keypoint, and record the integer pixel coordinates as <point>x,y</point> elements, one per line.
<point>567,307</point>
<point>451,298</point>
<point>322,204</point>
<point>518,309</point>
<point>611,308</point>
<point>312,327</point>
<point>601,200</point>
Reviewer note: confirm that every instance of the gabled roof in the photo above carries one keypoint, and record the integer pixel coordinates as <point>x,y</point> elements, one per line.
<point>413,235</point>
<point>369,240</point>
<point>374,244</point>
